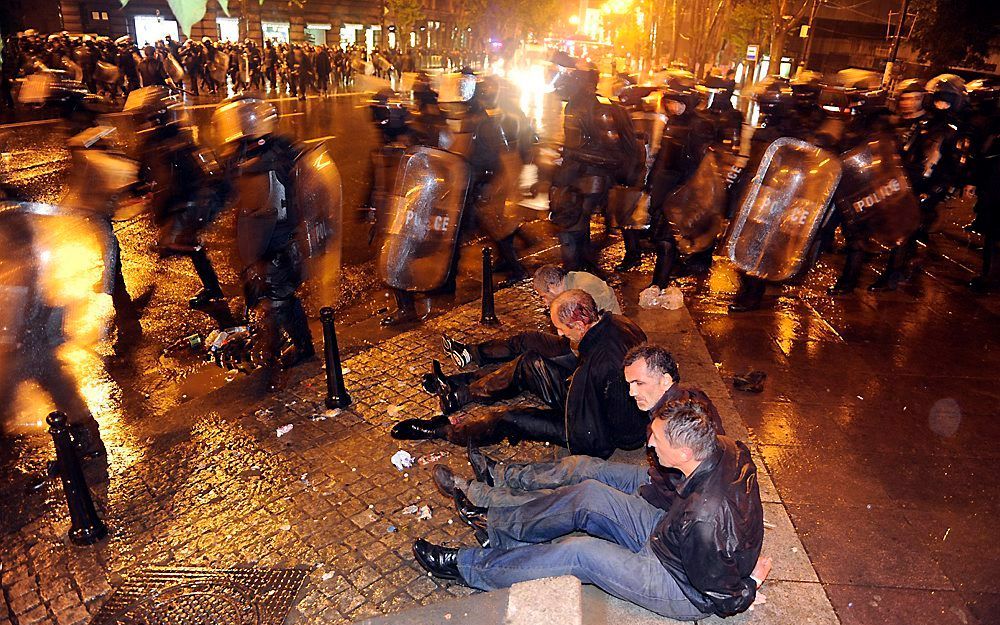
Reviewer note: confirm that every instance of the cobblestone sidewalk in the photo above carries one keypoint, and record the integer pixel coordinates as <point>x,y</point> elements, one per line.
<point>225,490</point>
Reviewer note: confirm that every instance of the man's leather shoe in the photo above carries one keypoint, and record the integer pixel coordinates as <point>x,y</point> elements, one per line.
<point>441,562</point>
<point>420,429</point>
<point>435,382</point>
<point>483,466</point>
<point>474,517</point>
<point>444,479</point>
<point>888,281</point>
<point>399,317</point>
<point>205,298</point>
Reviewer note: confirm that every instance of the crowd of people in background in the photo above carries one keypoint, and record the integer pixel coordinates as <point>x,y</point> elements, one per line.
<point>113,68</point>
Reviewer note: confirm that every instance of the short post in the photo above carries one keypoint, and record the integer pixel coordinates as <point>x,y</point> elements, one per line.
<point>336,392</point>
<point>489,316</point>
<point>86,527</point>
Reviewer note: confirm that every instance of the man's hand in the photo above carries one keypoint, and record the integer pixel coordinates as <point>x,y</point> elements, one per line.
<point>761,570</point>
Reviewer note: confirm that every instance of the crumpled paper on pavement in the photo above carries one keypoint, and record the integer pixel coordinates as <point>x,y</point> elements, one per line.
<point>669,298</point>
<point>401,460</point>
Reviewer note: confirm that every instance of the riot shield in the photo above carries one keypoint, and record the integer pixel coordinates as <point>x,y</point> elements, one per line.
<point>99,182</point>
<point>785,204</point>
<point>649,127</point>
<point>696,209</point>
<point>107,73</point>
<point>319,205</point>
<point>174,69</point>
<point>218,68</point>
<point>425,211</point>
<point>874,198</point>
<point>628,207</point>
<point>498,213</point>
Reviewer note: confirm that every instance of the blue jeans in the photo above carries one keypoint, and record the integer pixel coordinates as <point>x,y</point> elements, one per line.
<point>517,484</point>
<point>615,556</point>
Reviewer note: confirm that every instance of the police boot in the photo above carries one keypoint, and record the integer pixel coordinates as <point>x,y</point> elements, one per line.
<point>749,296</point>
<point>211,292</point>
<point>86,437</point>
<point>984,281</point>
<point>666,257</point>
<point>406,310</point>
<point>296,324</point>
<point>572,250</point>
<point>633,252</point>
<point>509,262</point>
<point>848,279</point>
<point>890,278</point>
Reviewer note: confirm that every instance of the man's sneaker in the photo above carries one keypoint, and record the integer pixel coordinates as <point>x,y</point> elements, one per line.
<point>459,352</point>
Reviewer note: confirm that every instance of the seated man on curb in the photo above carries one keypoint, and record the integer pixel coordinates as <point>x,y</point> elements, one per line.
<point>700,555</point>
<point>550,281</point>
<point>588,407</point>
<point>653,379</point>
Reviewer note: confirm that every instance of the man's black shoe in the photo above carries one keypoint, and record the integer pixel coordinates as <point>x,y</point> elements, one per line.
<point>738,307</point>
<point>400,317</point>
<point>841,288</point>
<point>205,298</point>
<point>441,562</point>
<point>888,281</point>
<point>474,517</point>
<point>435,382</point>
<point>444,479</point>
<point>483,466</point>
<point>420,429</point>
<point>429,382</point>
<point>459,352</point>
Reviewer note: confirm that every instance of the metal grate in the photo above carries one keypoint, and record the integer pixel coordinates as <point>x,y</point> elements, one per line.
<point>196,596</point>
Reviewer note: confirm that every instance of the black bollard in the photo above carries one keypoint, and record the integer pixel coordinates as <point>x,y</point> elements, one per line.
<point>336,392</point>
<point>489,316</point>
<point>87,528</point>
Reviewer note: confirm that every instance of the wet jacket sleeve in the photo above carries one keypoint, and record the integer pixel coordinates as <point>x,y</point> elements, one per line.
<point>714,572</point>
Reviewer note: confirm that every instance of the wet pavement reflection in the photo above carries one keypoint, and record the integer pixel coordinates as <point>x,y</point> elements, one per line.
<point>878,418</point>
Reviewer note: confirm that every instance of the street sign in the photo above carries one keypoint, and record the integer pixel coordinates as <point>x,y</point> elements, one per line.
<point>803,31</point>
<point>752,52</point>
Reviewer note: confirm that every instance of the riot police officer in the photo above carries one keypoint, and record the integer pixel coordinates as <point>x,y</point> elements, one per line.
<point>31,331</point>
<point>685,141</point>
<point>724,117</point>
<point>181,181</point>
<point>261,188</point>
<point>984,123</point>
<point>935,157</point>
<point>599,149</point>
<point>778,118</point>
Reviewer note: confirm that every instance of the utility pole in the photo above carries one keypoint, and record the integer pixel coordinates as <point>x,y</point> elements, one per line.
<point>804,63</point>
<point>887,76</point>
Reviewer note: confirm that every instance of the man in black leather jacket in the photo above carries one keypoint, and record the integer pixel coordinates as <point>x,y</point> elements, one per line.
<point>699,556</point>
<point>588,408</point>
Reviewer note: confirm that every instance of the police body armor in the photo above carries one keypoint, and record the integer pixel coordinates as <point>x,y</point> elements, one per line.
<point>785,203</point>
<point>629,205</point>
<point>935,155</point>
<point>874,200</point>
<point>425,211</point>
<point>495,161</point>
<point>696,209</point>
<point>600,148</point>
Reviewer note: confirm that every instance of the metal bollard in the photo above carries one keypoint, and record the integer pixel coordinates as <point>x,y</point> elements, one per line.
<point>86,527</point>
<point>336,392</point>
<point>489,316</point>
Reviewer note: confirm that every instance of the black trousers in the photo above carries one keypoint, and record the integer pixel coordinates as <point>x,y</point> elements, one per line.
<point>537,363</point>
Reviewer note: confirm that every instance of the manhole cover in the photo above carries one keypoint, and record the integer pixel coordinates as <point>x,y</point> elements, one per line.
<point>193,596</point>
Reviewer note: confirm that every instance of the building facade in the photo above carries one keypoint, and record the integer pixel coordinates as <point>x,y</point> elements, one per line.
<point>330,22</point>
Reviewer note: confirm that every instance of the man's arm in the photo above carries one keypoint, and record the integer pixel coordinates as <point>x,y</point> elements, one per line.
<point>715,573</point>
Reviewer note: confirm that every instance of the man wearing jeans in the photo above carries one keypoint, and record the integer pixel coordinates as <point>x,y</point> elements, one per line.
<point>653,379</point>
<point>698,555</point>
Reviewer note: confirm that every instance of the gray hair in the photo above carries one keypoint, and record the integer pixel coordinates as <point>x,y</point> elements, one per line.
<point>548,276</point>
<point>686,423</point>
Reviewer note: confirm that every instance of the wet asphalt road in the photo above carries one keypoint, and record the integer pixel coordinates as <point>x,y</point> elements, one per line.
<point>878,419</point>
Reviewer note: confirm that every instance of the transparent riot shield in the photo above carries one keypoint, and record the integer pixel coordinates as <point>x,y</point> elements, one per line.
<point>782,209</point>
<point>498,213</point>
<point>874,198</point>
<point>696,209</point>
<point>425,211</point>
<point>649,128</point>
<point>319,204</point>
